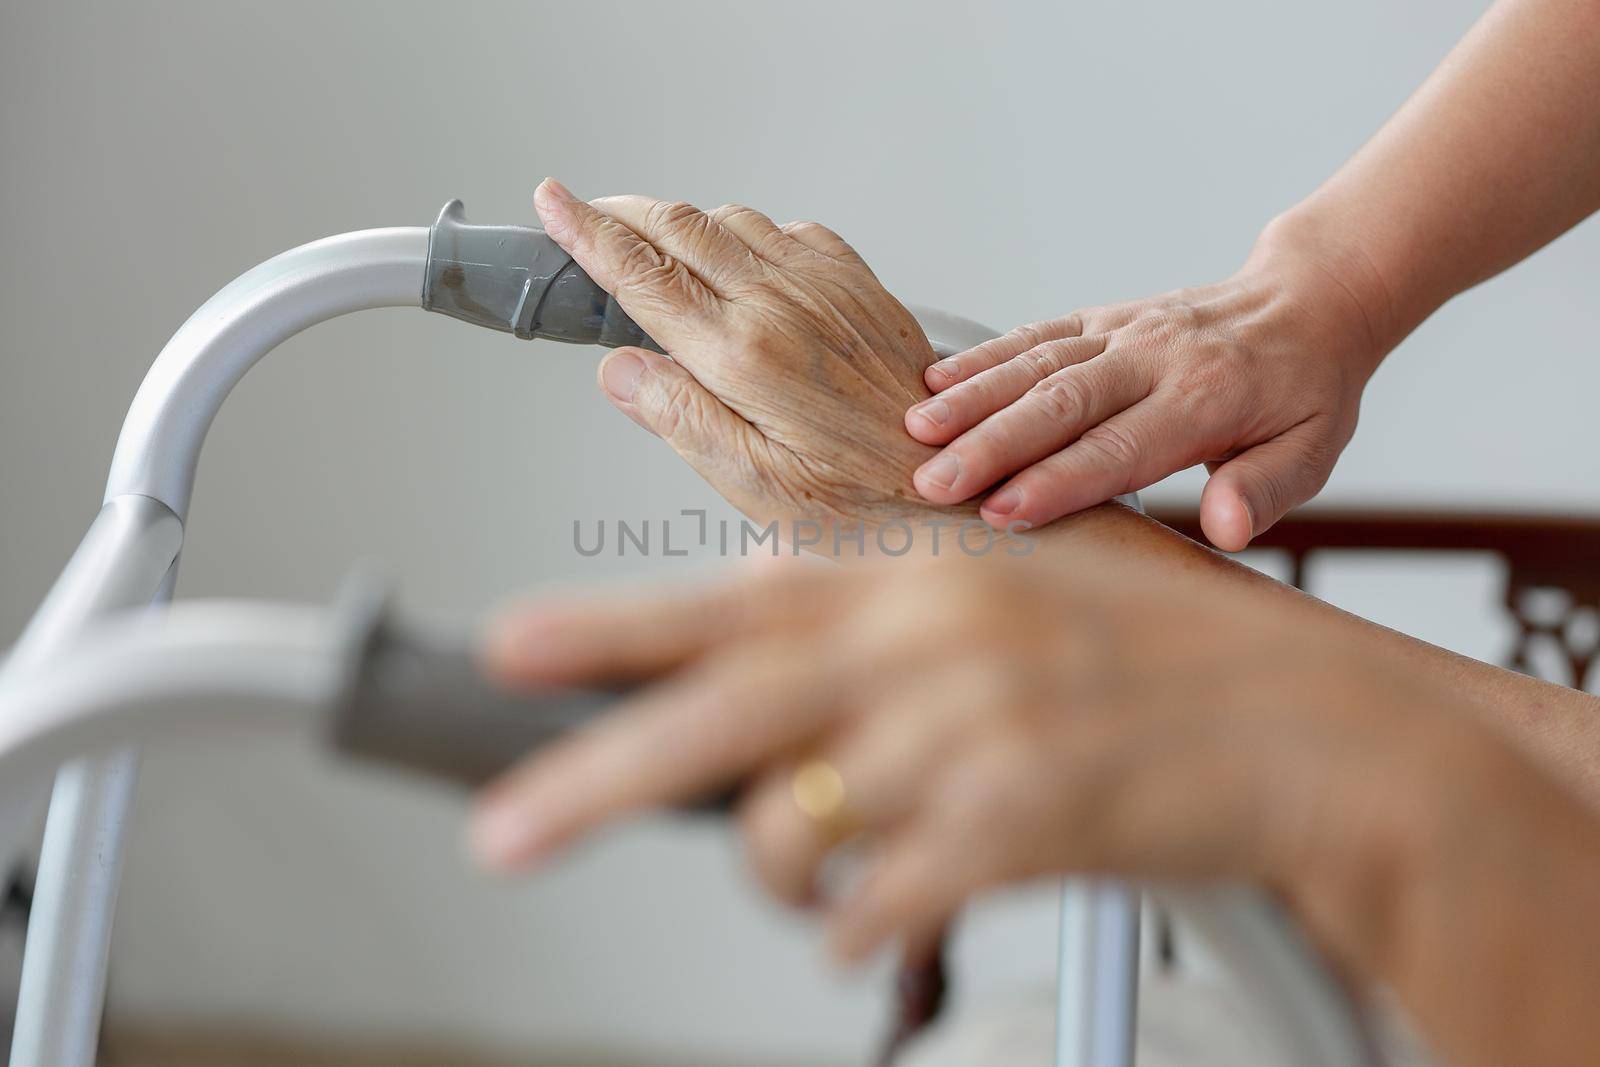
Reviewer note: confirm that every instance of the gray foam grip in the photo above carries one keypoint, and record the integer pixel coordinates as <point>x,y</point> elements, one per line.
<point>517,279</point>
<point>431,710</point>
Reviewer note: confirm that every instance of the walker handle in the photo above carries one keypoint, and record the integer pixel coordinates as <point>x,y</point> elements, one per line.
<point>415,704</point>
<point>517,279</point>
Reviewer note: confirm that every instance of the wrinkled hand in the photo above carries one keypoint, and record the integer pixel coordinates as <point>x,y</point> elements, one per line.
<point>1046,725</point>
<point>1259,377</point>
<point>791,365</point>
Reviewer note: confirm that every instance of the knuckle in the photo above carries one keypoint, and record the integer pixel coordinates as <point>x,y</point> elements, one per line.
<point>1060,397</point>
<point>1165,324</point>
<point>601,233</point>
<point>673,216</point>
<point>662,278</point>
<point>1089,316</point>
<point>1045,359</point>
<point>1110,442</point>
<point>820,237</point>
<point>640,260</point>
<point>735,213</point>
<point>1036,334</point>
<point>1030,334</point>
<point>678,408</point>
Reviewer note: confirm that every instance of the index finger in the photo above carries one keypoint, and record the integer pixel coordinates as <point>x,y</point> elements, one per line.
<point>1049,416</point>
<point>596,638</point>
<point>658,291</point>
<point>711,251</point>
<point>963,365</point>
<point>683,740</point>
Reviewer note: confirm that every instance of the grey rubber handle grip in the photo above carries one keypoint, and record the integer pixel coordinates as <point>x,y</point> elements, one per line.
<point>517,279</point>
<point>414,705</point>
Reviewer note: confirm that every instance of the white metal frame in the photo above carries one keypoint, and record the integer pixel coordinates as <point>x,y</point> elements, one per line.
<point>129,558</point>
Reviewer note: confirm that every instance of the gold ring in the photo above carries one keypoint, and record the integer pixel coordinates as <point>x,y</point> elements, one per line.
<point>819,792</point>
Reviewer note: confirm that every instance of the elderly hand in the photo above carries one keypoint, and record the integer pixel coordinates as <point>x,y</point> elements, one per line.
<point>1260,377</point>
<point>1137,706</point>
<point>987,720</point>
<point>791,365</point>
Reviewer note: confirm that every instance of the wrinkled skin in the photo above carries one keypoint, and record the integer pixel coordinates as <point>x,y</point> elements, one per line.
<point>791,365</point>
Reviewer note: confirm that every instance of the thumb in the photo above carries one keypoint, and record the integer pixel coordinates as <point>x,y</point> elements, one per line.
<point>665,399</point>
<point>1250,492</point>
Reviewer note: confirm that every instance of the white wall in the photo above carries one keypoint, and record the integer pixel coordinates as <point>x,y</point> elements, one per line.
<point>1005,160</point>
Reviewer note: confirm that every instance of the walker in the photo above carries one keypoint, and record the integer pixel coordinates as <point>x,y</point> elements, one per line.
<point>90,679</point>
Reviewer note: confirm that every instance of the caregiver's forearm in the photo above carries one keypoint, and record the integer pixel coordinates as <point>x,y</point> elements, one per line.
<point>1495,156</point>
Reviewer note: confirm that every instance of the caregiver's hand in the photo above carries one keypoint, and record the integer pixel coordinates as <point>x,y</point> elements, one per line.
<point>1259,376</point>
<point>791,365</point>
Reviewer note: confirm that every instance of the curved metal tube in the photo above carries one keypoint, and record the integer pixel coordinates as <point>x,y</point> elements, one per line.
<point>159,447</point>
<point>120,563</point>
<point>235,665</point>
<point>157,454</point>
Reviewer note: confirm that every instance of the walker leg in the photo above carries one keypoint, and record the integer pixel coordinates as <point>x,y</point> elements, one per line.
<point>69,933</point>
<point>127,559</point>
<point>1097,1007</point>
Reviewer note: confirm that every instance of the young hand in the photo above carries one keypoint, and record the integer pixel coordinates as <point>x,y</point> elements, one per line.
<point>1259,377</point>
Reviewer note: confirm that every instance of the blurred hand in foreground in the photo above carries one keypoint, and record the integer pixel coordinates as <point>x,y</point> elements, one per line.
<point>988,721</point>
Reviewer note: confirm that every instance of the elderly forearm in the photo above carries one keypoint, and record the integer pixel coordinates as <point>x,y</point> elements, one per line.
<point>1558,727</point>
<point>1480,915</point>
<point>1495,156</point>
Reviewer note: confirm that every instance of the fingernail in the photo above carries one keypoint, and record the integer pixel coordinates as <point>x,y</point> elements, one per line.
<point>503,836</point>
<point>557,191</point>
<point>1004,502</point>
<point>936,412</point>
<point>942,470</point>
<point>947,368</point>
<point>621,375</point>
